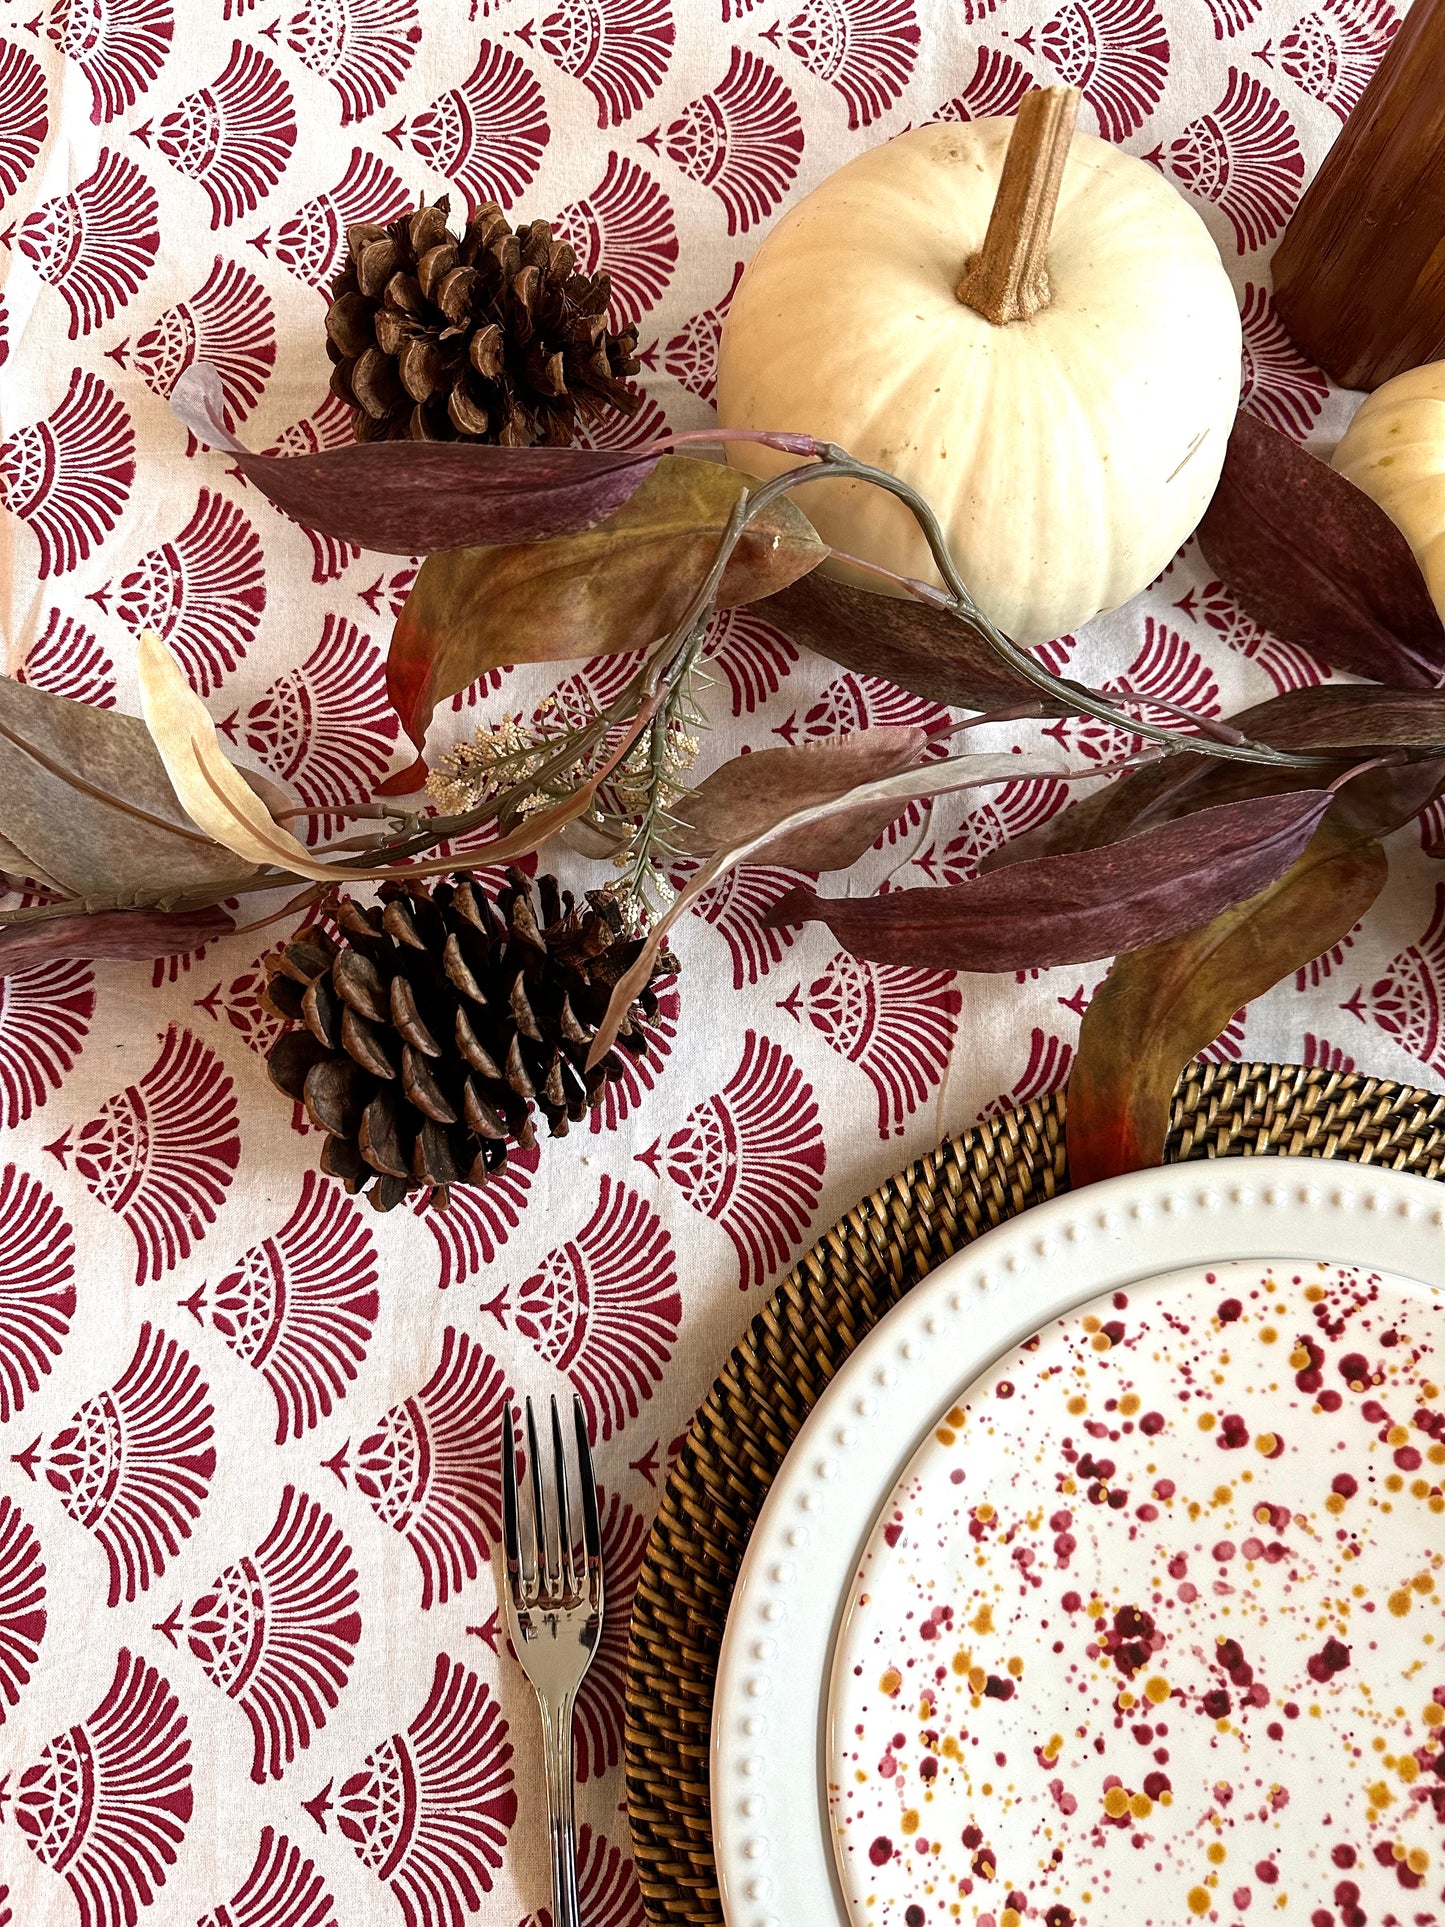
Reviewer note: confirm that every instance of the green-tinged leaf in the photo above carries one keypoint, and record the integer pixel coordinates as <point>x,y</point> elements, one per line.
<point>1081,906</point>
<point>1161,1005</point>
<point>787,830</point>
<point>135,934</point>
<point>919,647</point>
<point>86,803</point>
<point>615,587</point>
<point>746,796</point>
<point>415,498</point>
<point>1311,558</point>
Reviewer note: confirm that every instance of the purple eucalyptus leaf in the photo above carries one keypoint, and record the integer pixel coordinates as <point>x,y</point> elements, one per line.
<point>1311,558</point>
<point>1080,906</point>
<point>414,498</point>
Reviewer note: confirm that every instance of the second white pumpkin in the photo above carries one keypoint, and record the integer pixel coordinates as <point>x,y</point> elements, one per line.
<point>1394,450</point>
<point>1067,455</point>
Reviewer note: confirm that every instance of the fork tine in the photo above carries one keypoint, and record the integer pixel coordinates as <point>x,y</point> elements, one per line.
<point>511,1525</point>
<point>569,1574</point>
<point>547,1573</point>
<point>591,1522</point>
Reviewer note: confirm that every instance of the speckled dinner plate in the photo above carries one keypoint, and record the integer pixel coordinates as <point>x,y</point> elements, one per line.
<point>1102,1586</point>
<point>1150,1630</point>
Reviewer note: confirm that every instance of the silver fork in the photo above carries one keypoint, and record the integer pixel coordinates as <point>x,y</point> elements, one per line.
<point>554,1615</point>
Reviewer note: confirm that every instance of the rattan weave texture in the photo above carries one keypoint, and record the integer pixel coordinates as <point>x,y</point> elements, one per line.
<point>831,1300</point>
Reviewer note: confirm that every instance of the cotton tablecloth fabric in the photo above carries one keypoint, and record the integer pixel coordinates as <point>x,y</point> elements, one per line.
<point>250,1665</point>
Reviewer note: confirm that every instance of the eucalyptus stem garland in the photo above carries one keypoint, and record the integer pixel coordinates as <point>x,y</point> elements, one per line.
<point>623,770</point>
<point>671,667</point>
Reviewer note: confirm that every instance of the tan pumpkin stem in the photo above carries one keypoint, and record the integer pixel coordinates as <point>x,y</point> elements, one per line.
<point>1008,280</point>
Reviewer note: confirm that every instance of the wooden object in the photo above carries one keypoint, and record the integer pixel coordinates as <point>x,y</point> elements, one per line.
<point>1359,275</point>
<point>1007,280</point>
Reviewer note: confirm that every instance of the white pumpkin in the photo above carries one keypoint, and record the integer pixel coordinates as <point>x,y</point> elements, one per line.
<point>1394,450</point>
<point>1067,454</point>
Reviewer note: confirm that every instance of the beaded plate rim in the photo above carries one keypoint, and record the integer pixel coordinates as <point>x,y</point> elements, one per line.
<point>1113,1234</point>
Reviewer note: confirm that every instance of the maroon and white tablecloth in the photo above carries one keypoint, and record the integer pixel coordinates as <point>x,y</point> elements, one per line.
<point>250,1667</point>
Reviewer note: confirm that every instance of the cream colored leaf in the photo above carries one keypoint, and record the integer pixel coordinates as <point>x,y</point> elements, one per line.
<point>212,791</point>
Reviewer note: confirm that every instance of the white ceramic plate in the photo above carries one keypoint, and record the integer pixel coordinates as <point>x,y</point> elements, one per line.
<point>770,1739</point>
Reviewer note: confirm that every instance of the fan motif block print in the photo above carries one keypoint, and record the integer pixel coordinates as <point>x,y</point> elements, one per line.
<point>37,1286</point>
<point>203,592</point>
<point>432,1469</point>
<point>1332,52</point>
<point>1005,813</point>
<point>1287,666</point>
<point>45,1016</point>
<point>735,907</point>
<point>601,1700</point>
<point>1279,384</point>
<point>1244,155</point>
<point>109,1800</point>
<point>69,475</point>
<point>233,137</point>
<point>605,1309</point>
<point>300,1306</point>
<point>65,659</point>
<point>363,47</point>
<point>618,49</point>
<point>486,136</point>
<point>22,1603</point>
<point>626,223</point>
<point>1116,53</point>
<point>96,244</point>
<point>895,1023</point>
<point>753,1158</point>
<point>162,1153</point>
<point>24,121</point>
<point>997,84</point>
<point>119,45</point>
<point>1409,1000</point>
<point>864,48</point>
<point>429,1810</point>
<point>278,1630</point>
<point>478,1220</point>
<point>622,1095</point>
<point>228,322</point>
<point>283,1889</point>
<point>326,728</point>
<point>1046,1071</point>
<point>135,1463</point>
<point>311,243</point>
<point>743,139</point>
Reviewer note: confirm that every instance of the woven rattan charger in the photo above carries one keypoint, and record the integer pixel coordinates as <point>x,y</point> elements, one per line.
<point>830,1301</point>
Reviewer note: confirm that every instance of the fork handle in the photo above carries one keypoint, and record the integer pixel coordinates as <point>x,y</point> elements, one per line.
<point>561,1814</point>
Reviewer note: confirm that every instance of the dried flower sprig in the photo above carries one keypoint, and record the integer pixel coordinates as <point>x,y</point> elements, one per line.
<point>499,760</point>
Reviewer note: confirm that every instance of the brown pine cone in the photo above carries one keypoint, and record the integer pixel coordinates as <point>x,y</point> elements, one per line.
<point>493,337</point>
<point>424,1039</point>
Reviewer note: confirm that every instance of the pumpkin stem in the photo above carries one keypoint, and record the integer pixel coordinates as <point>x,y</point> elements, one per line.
<point>1007,280</point>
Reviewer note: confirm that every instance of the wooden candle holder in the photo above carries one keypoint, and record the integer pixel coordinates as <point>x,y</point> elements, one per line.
<point>1359,275</point>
